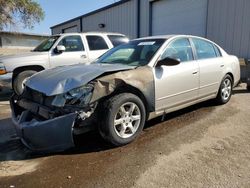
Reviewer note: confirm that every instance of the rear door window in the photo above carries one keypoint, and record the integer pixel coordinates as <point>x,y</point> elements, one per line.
<point>96,42</point>
<point>204,49</point>
<point>116,40</point>
<point>217,50</point>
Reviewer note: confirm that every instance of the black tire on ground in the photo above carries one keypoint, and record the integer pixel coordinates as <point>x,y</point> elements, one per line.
<point>220,99</point>
<point>111,111</point>
<point>248,87</point>
<point>19,79</point>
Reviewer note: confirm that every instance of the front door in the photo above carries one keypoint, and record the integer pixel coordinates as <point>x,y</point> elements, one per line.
<point>177,85</point>
<point>74,54</point>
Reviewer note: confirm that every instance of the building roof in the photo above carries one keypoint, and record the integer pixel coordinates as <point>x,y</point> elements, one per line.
<point>91,13</point>
<point>24,34</point>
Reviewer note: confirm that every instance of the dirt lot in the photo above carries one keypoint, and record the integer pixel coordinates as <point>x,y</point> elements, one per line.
<point>201,146</point>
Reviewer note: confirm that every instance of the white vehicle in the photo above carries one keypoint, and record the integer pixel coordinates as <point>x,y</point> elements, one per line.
<point>57,50</point>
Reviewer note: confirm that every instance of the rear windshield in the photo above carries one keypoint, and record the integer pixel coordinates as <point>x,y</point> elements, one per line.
<point>117,39</point>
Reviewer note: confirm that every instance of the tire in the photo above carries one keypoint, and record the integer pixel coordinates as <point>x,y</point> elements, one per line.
<point>248,87</point>
<point>20,79</point>
<point>129,125</point>
<point>225,91</point>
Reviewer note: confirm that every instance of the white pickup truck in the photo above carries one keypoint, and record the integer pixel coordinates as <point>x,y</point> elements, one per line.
<point>57,50</point>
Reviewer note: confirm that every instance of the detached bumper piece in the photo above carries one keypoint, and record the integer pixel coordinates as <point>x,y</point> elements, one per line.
<point>52,135</point>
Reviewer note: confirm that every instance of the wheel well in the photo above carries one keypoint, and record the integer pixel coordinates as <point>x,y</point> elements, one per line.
<point>231,75</point>
<point>130,89</point>
<point>21,69</point>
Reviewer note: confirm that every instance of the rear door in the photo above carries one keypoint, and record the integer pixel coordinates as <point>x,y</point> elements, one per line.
<point>177,85</point>
<point>97,45</point>
<point>75,52</point>
<point>210,66</point>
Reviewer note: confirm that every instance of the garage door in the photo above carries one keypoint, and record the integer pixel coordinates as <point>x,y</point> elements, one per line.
<point>179,17</point>
<point>70,30</point>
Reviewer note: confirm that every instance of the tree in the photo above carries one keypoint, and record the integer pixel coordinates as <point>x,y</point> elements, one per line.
<point>24,13</point>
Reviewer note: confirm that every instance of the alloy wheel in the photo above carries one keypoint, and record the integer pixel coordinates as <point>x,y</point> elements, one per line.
<point>127,120</point>
<point>226,89</point>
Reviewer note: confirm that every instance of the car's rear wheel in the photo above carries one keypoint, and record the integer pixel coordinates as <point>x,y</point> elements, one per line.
<point>20,79</point>
<point>225,91</point>
<point>123,119</point>
<point>248,87</point>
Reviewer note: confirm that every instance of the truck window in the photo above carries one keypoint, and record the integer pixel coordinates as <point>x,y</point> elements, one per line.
<point>46,44</point>
<point>118,39</point>
<point>96,42</point>
<point>72,43</point>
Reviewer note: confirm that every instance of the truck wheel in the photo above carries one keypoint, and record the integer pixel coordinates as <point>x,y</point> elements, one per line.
<point>225,90</point>
<point>123,119</point>
<point>20,79</point>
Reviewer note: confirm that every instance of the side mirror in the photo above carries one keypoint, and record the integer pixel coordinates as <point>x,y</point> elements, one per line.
<point>168,62</point>
<point>59,49</point>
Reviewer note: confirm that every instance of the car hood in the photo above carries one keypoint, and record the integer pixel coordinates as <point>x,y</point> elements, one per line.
<point>29,56</point>
<point>62,79</point>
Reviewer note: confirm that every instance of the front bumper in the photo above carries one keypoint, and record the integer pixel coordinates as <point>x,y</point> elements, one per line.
<point>6,82</point>
<point>51,135</point>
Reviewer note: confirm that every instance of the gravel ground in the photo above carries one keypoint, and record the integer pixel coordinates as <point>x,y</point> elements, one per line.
<point>201,146</point>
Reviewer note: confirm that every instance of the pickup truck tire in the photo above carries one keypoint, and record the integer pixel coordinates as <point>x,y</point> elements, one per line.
<point>225,91</point>
<point>20,79</point>
<point>123,119</point>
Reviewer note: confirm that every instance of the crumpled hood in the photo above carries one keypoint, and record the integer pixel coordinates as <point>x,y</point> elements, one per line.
<point>62,79</point>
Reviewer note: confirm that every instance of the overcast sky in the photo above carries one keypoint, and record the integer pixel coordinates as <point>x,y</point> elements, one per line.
<point>57,11</point>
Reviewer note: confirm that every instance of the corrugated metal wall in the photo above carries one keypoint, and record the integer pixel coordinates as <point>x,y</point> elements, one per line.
<point>229,25</point>
<point>20,41</point>
<point>224,21</point>
<point>121,18</point>
<point>59,29</point>
<point>179,17</point>
<point>144,18</point>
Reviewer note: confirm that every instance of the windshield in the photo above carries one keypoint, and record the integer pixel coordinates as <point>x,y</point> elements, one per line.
<point>46,44</point>
<point>134,53</point>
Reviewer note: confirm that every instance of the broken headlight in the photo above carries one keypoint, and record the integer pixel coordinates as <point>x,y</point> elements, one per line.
<point>79,96</point>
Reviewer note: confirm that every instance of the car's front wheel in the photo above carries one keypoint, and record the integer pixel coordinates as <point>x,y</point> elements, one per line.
<point>123,118</point>
<point>225,90</point>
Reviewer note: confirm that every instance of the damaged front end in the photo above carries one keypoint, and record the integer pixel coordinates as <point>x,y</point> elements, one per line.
<point>46,118</point>
<point>48,123</point>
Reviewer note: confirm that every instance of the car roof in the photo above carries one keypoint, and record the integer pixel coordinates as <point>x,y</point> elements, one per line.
<point>91,33</point>
<point>156,37</point>
<point>166,37</point>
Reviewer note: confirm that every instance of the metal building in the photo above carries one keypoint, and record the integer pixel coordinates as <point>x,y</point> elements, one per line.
<point>223,21</point>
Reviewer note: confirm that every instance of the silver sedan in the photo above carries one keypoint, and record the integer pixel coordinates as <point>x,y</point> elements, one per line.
<point>128,85</point>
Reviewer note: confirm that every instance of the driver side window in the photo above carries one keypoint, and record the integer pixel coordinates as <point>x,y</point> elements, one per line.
<point>180,49</point>
<point>72,43</point>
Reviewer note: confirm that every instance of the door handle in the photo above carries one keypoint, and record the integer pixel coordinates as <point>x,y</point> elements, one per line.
<point>83,56</point>
<point>195,72</point>
<point>221,65</point>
